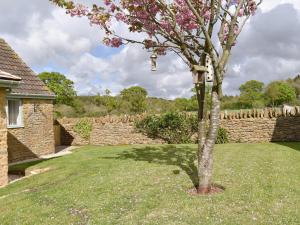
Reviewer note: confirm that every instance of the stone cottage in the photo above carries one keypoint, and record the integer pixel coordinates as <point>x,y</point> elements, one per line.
<point>26,112</point>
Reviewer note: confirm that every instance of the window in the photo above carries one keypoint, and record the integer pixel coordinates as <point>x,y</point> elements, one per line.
<point>14,113</point>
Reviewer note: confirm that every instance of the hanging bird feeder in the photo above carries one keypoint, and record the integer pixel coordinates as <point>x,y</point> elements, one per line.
<point>153,59</point>
<point>209,75</point>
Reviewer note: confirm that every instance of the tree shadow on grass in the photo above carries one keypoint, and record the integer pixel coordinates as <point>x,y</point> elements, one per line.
<point>292,145</point>
<point>181,156</point>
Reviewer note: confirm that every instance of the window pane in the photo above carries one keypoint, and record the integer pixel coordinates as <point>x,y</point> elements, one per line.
<point>13,112</point>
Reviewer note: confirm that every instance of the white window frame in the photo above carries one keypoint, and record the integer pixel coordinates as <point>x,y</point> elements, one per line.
<point>21,123</point>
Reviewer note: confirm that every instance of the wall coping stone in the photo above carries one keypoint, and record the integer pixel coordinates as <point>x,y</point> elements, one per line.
<point>224,115</point>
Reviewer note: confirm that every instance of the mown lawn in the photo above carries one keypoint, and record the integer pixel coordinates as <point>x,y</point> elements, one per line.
<point>149,185</point>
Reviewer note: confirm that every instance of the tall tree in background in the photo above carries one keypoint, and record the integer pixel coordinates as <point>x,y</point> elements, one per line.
<point>280,92</point>
<point>136,98</point>
<point>60,85</point>
<point>198,31</point>
<point>296,84</point>
<point>252,94</point>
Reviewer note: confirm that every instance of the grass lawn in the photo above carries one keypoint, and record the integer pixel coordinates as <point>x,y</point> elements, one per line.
<point>149,185</point>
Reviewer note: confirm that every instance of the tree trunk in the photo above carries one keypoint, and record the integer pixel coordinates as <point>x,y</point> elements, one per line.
<point>207,142</point>
<point>200,90</point>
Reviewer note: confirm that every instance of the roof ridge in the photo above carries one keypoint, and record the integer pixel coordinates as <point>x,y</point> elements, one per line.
<point>12,63</point>
<point>16,54</point>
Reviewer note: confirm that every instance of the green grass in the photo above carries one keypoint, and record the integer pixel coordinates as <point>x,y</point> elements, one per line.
<point>149,185</point>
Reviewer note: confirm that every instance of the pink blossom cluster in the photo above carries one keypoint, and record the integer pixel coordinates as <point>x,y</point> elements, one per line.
<point>226,32</point>
<point>186,18</point>
<point>149,44</point>
<point>79,10</point>
<point>161,50</point>
<point>97,17</point>
<point>151,17</point>
<point>141,15</point>
<point>112,42</point>
<point>250,7</point>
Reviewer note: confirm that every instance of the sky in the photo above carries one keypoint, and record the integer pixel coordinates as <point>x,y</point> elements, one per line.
<point>49,40</point>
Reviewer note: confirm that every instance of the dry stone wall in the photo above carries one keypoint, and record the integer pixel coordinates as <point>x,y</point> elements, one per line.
<point>109,130</point>
<point>268,125</point>
<point>253,126</point>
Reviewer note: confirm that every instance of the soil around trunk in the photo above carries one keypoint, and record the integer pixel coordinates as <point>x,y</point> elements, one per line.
<point>214,189</point>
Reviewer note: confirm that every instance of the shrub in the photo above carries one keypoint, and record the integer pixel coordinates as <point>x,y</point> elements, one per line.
<point>84,128</point>
<point>173,127</point>
<point>135,99</point>
<point>222,137</point>
<point>57,114</point>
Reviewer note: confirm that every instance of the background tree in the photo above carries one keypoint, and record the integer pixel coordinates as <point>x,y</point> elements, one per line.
<point>182,104</point>
<point>111,103</point>
<point>296,84</point>
<point>61,86</point>
<point>107,92</point>
<point>191,104</point>
<point>136,98</point>
<point>198,31</point>
<point>252,95</point>
<point>280,92</point>
<point>230,102</point>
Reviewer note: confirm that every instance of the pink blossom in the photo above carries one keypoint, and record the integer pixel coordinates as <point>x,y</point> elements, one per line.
<point>79,10</point>
<point>113,8</point>
<point>107,2</point>
<point>241,12</point>
<point>114,42</point>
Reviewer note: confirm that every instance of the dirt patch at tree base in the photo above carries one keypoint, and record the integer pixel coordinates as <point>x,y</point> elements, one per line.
<point>214,189</point>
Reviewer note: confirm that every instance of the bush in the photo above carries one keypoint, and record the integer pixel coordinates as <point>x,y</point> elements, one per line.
<point>174,127</point>
<point>222,137</point>
<point>84,128</point>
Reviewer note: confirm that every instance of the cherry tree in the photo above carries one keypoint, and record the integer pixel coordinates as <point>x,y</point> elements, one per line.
<point>201,32</point>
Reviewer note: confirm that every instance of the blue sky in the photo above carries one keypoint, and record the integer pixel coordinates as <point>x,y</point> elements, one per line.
<point>105,52</point>
<point>49,40</point>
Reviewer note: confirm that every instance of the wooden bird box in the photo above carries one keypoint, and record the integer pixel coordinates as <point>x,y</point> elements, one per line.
<point>198,74</point>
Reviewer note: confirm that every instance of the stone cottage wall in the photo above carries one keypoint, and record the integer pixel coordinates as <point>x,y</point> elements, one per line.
<point>244,126</point>
<point>3,140</point>
<point>36,138</point>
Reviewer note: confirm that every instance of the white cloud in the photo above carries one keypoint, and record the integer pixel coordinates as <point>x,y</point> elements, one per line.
<point>55,40</point>
<point>267,50</point>
<point>132,67</point>
<point>268,5</point>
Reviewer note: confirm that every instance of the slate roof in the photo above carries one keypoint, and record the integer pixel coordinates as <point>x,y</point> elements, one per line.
<point>30,84</point>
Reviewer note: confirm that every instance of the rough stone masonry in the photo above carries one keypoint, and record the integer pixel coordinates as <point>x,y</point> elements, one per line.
<point>248,126</point>
<point>3,140</point>
<point>36,137</point>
